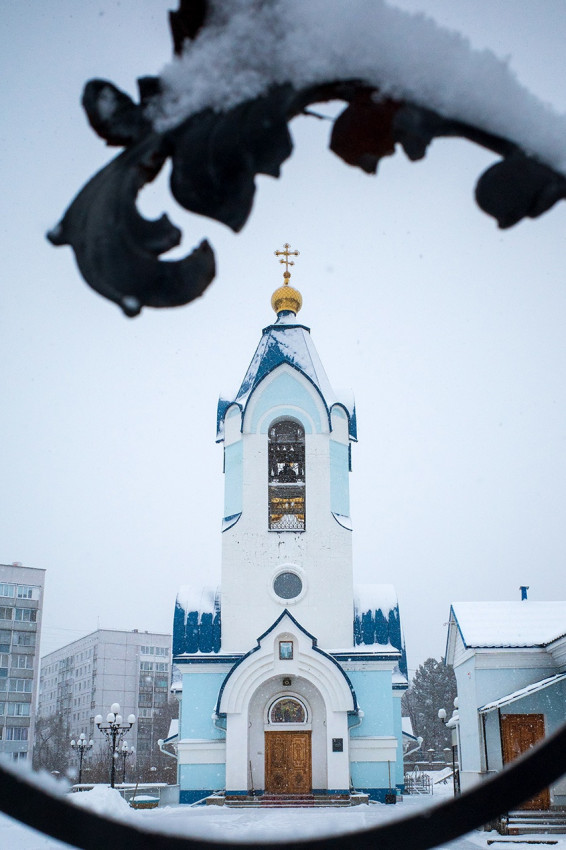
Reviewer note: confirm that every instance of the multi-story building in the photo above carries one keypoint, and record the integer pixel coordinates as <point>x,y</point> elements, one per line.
<point>84,678</point>
<point>21,604</point>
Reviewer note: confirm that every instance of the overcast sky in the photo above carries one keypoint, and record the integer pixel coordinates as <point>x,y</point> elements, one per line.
<point>449,331</point>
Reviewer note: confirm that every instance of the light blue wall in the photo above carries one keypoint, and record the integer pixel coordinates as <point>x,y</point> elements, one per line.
<point>201,777</point>
<point>200,692</point>
<point>491,684</point>
<point>287,389</point>
<point>233,478</point>
<point>373,691</point>
<point>398,732</point>
<point>371,775</point>
<point>339,485</point>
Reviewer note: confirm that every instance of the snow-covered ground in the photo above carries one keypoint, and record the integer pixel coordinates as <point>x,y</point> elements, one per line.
<point>260,825</point>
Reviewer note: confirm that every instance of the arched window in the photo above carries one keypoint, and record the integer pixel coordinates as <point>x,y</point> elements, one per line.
<point>287,710</point>
<point>286,476</point>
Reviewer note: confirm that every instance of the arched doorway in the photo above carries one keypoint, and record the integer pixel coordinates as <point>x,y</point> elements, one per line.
<point>288,750</point>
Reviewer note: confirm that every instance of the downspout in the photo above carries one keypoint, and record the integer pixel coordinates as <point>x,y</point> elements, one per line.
<point>414,750</point>
<point>161,744</point>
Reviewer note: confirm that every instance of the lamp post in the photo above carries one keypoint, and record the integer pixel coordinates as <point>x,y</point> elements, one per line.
<point>455,766</point>
<point>125,752</point>
<point>114,728</point>
<point>82,746</point>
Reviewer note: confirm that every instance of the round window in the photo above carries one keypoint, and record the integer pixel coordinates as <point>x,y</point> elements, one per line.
<point>287,585</point>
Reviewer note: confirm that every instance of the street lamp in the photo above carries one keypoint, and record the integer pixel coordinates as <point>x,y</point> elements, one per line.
<point>114,728</point>
<point>455,766</point>
<point>82,746</point>
<point>125,751</point>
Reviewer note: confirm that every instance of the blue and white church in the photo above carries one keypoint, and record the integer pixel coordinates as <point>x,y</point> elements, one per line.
<point>291,676</point>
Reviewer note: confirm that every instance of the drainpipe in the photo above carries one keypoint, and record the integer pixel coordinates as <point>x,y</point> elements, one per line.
<point>414,750</point>
<point>160,744</point>
<point>360,716</point>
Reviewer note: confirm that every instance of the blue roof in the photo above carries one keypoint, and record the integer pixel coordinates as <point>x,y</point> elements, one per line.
<point>286,341</point>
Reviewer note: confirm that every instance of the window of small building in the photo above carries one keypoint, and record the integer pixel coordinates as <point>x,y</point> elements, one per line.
<point>286,476</point>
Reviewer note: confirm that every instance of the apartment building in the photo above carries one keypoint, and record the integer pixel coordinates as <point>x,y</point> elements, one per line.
<point>84,678</point>
<point>21,605</point>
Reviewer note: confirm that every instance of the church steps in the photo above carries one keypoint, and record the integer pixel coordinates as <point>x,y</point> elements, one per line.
<point>535,822</point>
<point>290,801</point>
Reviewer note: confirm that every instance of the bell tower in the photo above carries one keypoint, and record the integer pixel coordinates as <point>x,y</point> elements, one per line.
<point>286,526</point>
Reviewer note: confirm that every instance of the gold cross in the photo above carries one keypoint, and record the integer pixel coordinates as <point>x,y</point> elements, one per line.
<point>286,253</point>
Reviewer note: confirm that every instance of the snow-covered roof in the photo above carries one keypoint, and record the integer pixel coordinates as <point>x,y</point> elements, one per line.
<point>173,730</point>
<point>375,597</point>
<point>523,692</point>
<point>289,342</point>
<point>510,624</point>
<point>203,599</point>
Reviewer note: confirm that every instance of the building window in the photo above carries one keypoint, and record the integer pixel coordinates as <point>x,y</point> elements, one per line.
<point>6,613</point>
<point>7,589</point>
<point>287,710</point>
<point>286,650</point>
<point>21,686</point>
<point>26,615</point>
<point>287,585</point>
<point>286,476</point>
<point>21,639</point>
<point>18,709</point>
<point>5,637</point>
<point>25,591</point>
<point>17,733</point>
<point>146,665</point>
<point>24,662</point>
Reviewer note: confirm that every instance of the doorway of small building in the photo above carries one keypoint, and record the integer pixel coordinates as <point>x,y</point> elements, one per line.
<point>288,762</point>
<point>520,732</point>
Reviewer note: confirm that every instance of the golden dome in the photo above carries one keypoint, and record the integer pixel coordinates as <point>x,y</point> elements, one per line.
<point>286,298</point>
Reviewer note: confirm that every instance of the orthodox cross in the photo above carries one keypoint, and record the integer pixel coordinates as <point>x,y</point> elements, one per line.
<point>286,253</point>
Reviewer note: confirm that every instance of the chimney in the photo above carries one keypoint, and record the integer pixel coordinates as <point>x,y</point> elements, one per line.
<point>523,590</point>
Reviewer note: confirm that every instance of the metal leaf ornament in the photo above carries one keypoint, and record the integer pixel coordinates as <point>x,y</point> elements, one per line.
<point>215,157</point>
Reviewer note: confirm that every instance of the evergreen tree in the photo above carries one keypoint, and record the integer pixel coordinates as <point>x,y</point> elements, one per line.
<point>433,687</point>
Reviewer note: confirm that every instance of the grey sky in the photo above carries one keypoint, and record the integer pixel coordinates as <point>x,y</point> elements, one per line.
<point>450,332</point>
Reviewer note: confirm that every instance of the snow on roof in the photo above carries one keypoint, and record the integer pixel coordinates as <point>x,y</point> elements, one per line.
<point>510,624</point>
<point>248,47</point>
<point>285,342</point>
<point>203,599</point>
<point>291,344</point>
<point>407,726</point>
<point>375,597</point>
<point>173,729</point>
<point>523,692</point>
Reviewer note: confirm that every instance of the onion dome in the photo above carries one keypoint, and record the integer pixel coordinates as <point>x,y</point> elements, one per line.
<point>286,298</point>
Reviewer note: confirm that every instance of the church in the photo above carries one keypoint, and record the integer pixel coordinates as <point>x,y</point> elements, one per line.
<point>291,676</point>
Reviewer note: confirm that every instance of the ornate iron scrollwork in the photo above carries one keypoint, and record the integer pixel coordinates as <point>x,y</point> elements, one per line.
<point>215,157</point>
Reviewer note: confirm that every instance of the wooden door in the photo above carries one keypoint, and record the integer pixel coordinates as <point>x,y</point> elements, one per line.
<point>288,764</point>
<point>520,732</point>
